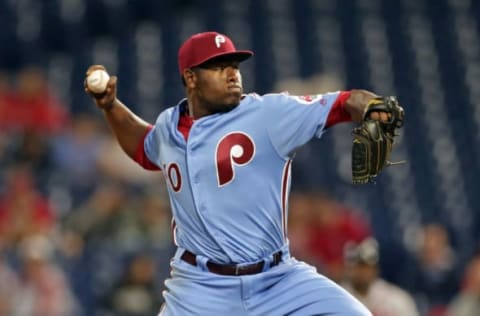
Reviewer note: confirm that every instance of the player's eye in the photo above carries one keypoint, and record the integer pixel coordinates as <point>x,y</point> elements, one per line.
<point>215,67</point>
<point>222,67</point>
<point>229,65</point>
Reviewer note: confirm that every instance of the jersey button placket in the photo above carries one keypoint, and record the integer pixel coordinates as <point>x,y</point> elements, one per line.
<point>193,174</point>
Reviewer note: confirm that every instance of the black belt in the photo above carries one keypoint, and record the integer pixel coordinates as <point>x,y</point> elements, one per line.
<point>232,269</point>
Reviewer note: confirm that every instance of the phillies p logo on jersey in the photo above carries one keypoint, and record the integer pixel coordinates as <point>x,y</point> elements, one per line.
<point>236,148</point>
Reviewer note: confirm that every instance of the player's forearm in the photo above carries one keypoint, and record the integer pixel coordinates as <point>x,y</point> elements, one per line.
<point>355,104</point>
<point>128,128</point>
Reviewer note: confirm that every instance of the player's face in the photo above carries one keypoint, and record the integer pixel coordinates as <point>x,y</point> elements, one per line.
<point>217,85</point>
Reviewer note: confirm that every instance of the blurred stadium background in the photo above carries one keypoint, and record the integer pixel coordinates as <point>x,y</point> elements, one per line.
<point>425,52</point>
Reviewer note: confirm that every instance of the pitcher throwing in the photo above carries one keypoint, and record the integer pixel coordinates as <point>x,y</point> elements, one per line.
<point>226,157</point>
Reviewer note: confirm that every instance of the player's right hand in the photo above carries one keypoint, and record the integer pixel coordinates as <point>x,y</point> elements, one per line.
<point>106,99</point>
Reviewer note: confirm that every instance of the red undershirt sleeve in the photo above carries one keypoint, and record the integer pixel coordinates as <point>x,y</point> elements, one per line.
<point>338,114</point>
<point>141,157</point>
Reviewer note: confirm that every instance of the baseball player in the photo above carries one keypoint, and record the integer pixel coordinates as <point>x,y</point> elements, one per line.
<point>226,157</point>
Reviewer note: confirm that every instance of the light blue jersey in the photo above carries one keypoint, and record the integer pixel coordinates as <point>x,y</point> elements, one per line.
<point>228,183</point>
<point>228,186</point>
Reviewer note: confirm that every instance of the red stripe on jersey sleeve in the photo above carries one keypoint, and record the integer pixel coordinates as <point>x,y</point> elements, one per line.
<point>338,113</point>
<point>141,157</point>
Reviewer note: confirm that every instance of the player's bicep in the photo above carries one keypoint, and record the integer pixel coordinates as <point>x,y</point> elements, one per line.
<point>297,119</point>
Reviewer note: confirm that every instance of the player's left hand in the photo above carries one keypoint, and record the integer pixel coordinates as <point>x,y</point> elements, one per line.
<point>373,139</point>
<point>380,116</point>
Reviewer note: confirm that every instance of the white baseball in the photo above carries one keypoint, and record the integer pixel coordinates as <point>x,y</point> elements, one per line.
<point>97,81</point>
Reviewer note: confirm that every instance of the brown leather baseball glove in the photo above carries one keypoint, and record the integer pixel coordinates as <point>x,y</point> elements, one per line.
<point>373,139</point>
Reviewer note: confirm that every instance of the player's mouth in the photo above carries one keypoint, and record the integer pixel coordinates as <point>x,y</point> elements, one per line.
<point>235,88</point>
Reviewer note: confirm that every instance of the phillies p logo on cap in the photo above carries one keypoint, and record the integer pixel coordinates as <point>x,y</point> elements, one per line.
<point>219,39</point>
<point>202,47</point>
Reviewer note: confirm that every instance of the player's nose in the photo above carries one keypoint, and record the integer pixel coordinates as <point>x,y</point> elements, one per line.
<point>233,74</point>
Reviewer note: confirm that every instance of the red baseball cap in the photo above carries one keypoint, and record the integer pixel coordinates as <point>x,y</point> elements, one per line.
<point>204,46</point>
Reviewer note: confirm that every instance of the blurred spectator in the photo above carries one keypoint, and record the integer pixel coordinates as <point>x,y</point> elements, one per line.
<point>300,214</point>
<point>33,149</point>
<point>115,222</point>
<point>99,219</point>
<point>32,106</point>
<point>136,294</point>
<point>114,216</point>
<point>152,225</point>
<point>364,282</point>
<point>113,162</point>
<point>435,270</point>
<point>44,288</point>
<point>75,154</point>
<point>6,91</point>
<point>23,209</point>
<point>9,286</point>
<point>467,302</point>
<point>329,227</point>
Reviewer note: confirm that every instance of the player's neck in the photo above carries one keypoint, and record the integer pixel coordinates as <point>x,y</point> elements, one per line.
<point>195,111</point>
<point>197,108</point>
<point>191,112</point>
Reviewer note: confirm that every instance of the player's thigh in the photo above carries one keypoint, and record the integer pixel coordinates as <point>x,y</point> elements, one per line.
<point>192,292</point>
<point>302,291</point>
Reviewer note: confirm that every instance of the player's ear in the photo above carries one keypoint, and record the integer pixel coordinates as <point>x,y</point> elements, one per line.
<point>189,77</point>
